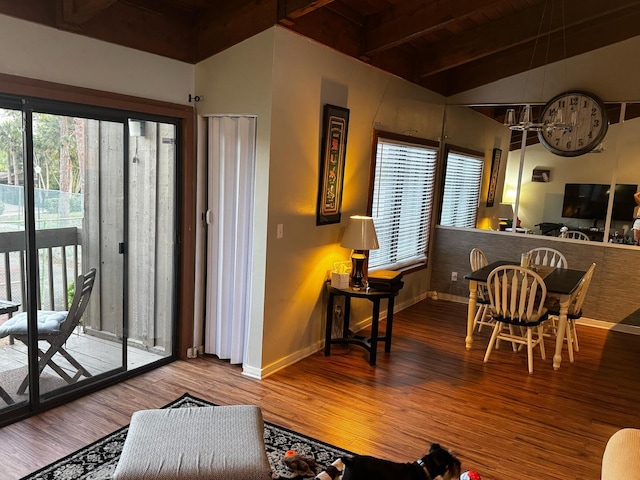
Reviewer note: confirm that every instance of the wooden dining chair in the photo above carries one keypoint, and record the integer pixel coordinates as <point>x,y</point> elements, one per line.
<point>478,259</point>
<point>575,234</point>
<point>547,257</point>
<point>574,311</point>
<point>517,296</point>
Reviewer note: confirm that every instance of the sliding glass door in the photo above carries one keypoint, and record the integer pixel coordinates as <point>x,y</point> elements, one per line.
<point>87,248</point>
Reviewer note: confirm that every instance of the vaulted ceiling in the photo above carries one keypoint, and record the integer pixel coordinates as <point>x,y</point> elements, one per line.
<point>447,46</point>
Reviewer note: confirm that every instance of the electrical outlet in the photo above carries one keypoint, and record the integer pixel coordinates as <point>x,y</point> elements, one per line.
<point>454,276</point>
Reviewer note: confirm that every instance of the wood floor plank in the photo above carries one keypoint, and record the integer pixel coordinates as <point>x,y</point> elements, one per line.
<point>500,420</point>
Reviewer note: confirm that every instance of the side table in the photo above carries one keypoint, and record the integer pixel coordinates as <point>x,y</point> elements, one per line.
<point>369,343</point>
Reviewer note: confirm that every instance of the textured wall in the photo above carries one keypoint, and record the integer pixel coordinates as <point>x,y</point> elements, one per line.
<point>613,296</point>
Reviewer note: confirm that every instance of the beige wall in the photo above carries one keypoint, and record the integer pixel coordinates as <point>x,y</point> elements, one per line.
<point>472,130</point>
<point>239,81</point>
<point>307,76</point>
<point>543,201</point>
<point>43,53</point>
<point>607,72</point>
<point>286,80</point>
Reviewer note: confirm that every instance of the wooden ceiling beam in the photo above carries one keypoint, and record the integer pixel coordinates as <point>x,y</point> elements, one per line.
<point>292,9</point>
<point>579,39</point>
<point>77,12</point>
<point>411,19</point>
<point>232,23</point>
<point>517,29</point>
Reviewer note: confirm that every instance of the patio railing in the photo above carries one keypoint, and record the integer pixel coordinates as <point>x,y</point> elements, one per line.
<point>59,263</point>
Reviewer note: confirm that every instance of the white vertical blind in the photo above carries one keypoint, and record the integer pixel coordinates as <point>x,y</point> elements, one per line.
<point>402,202</point>
<point>229,243</point>
<point>461,190</point>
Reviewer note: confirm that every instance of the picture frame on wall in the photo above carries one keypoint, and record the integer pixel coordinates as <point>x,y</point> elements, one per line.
<point>335,125</point>
<point>493,181</point>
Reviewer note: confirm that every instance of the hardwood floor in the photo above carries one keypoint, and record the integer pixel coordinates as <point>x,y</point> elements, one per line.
<point>500,420</point>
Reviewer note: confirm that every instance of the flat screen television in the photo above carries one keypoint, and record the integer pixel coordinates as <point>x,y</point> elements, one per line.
<point>623,202</point>
<point>590,201</point>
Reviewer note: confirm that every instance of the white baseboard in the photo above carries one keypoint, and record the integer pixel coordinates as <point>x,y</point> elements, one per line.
<point>260,373</point>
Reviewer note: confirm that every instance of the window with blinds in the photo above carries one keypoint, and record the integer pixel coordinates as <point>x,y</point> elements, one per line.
<point>461,194</point>
<point>402,200</point>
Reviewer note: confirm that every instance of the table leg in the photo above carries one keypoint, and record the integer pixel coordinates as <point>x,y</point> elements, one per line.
<point>471,311</point>
<point>374,332</point>
<point>329,326</point>
<point>565,300</point>
<point>389,329</point>
<point>346,317</point>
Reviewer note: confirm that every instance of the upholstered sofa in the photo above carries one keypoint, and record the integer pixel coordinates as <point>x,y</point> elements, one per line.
<point>621,458</point>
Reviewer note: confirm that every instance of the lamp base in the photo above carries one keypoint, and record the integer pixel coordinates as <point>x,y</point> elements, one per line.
<point>358,271</point>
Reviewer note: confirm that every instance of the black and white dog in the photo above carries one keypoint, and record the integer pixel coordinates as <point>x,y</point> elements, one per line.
<point>437,464</point>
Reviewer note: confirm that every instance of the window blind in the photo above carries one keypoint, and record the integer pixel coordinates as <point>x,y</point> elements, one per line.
<point>402,203</point>
<point>461,195</point>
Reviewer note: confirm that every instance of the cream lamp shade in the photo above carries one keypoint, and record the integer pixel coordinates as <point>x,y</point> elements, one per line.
<point>360,234</point>
<point>505,210</point>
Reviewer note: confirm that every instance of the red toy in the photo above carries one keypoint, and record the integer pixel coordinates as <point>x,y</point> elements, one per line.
<point>470,475</point>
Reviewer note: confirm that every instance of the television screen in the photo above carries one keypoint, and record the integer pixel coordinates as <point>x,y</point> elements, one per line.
<point>590,201</point>
<point>585,200</point>
<point>623,202</point>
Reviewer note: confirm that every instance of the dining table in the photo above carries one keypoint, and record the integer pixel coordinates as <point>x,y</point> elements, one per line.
<point>560,282</point>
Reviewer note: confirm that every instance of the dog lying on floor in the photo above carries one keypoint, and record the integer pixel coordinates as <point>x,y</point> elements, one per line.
<point>437,464</point>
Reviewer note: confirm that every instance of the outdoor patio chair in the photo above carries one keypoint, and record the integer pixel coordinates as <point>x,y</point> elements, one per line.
<point>55,327</point>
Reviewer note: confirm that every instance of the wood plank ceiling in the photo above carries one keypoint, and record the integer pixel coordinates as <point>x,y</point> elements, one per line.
<point>447,46</point>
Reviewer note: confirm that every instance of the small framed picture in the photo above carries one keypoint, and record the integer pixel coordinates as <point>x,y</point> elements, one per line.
<point>334,147</point>
<point>493,181</point>
<point>541,175</point>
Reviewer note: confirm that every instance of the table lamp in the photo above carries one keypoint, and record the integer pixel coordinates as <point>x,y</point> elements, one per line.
<point>360,236</point>
<point>505,215</point>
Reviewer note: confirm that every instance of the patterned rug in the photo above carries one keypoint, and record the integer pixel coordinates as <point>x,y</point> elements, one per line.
<point>98,460</point>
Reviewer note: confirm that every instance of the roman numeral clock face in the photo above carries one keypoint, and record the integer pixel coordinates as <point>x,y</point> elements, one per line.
<point>583,120</point>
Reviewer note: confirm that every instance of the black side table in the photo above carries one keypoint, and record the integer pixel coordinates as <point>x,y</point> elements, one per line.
<point>369,343</point>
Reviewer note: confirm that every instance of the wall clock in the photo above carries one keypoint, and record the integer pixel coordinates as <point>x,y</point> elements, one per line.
<point>585,119</point>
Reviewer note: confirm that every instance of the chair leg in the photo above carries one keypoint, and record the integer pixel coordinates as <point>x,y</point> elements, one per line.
<point>569,339</point>
<point>476,319</point>
<point>543,353</point>
<point>574,335</point>
<point>6,397</point>
<point>494,335</point>
<point>530,349</point>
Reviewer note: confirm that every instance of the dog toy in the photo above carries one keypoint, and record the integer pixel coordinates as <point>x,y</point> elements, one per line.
<point>470,475</point>
<point>300,464</point>
<point>332,472</point>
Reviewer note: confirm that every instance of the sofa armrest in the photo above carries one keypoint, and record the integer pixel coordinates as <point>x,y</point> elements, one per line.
<point>621,458</point>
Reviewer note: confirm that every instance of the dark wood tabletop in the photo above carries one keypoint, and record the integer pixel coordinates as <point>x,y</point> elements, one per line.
<point>561,281</point>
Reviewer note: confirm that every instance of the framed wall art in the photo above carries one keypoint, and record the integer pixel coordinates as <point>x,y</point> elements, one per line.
<point>493,181</point>
<point>335,124</point>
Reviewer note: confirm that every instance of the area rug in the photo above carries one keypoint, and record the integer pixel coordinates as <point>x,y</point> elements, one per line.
<point>11,380</point>
<point>98,460</point>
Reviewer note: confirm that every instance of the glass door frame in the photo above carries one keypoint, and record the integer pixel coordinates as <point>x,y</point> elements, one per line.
<point>28,105</point>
